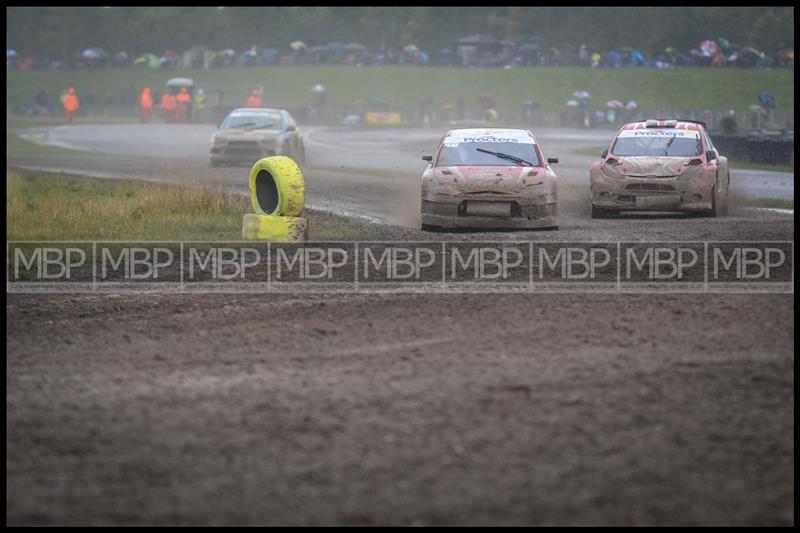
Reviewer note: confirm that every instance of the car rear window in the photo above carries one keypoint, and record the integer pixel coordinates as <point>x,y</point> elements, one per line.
<point>467,153</point>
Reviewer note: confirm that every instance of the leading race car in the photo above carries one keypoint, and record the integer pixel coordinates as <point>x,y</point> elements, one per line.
<point>248,134</point>
<point>660,165</point>
<point>489,178</point>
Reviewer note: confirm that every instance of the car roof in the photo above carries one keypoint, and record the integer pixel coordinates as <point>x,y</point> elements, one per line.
<point>179,81</point>
<point>501,133</point>
<point>662,123</point>
<point>256,110</point>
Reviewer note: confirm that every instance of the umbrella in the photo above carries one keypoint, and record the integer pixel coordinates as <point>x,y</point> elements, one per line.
<point>94,53</point>
<point>10,53</point>
<point>335,46</point>
<point>170,53</point>
<point>572,103</point>
<point>318,88</point>
<point>723,42</point>
<point>581,94</point>
<point>250,54</point>
<point>709,48</point>
<point>297,45</point>
<point>355,47</point>
<point>228,52</point>
<point>410,49</point>
<point>147,60</point>
<point>615,104</point>
<point>478,39</point>
<point>529,47</point>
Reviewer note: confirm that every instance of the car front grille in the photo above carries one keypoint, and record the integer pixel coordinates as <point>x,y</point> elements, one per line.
<point>650,187</point>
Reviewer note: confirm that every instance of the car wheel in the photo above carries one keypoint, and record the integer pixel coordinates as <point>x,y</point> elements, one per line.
<point>717,203</point>
<point>598,212</point>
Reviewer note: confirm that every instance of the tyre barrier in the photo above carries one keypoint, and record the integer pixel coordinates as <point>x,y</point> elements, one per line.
<point>277,193</point>
<point>274,228</point>
<point>277,187</point>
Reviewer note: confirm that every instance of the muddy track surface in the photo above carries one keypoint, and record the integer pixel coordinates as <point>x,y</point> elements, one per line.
<point>403,409</point>
<point>400,409</point>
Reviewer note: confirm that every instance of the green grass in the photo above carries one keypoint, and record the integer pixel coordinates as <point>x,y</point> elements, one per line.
<point>402,87</point>
<point>772,202</point>
<point>49,207</point>
<point>746,165</point>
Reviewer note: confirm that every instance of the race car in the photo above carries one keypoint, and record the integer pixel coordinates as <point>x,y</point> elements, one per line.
<point>489,178</point>
<point>660,165</point>
<point>248,134</point>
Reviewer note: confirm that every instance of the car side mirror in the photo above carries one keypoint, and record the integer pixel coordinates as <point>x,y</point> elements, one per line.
<point>428,158</point>
<point>291,128</point>
<point>552,160</point>
<point>604,154</point>
<point>711,155</point>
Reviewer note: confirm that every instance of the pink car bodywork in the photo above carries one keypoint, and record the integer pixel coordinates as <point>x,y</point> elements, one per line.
<point>509,196</point>
<point>696,183</point>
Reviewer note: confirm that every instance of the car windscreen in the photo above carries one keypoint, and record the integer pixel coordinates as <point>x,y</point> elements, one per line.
<point>258,121</point>
<point>468,153</point>
<point>658,143</point>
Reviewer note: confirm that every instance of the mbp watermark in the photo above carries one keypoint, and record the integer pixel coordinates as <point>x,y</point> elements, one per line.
<point>454,265</point>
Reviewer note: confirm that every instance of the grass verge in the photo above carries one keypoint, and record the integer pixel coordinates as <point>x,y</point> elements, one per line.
<point>775,203</point>
<point>670,90</point>
<point>47,206</point>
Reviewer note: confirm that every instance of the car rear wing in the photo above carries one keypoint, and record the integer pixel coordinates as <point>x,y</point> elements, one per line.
<point>671,122</point>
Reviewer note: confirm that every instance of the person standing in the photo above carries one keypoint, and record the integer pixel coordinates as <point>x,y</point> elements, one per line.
<point>168,105</point>
<point>254,100</point>
<point>71,104</point>
<point>146,103</point>
<point>184,100</point>
<point>200,105</point>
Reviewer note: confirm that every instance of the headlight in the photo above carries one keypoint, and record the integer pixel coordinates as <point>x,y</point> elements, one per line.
<point>609,171</point>
<point>218,138</point>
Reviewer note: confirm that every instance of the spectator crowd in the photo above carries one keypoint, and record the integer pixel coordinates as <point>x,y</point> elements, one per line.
<point>470,51</point>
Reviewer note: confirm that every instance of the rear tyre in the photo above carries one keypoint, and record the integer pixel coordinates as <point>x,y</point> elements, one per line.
<point>719,206</point>
<point>598,212</point>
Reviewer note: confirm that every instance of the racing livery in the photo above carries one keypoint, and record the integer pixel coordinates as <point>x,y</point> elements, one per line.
<point>489,178</point>
<point>660,165</point>
<point>248,134</point>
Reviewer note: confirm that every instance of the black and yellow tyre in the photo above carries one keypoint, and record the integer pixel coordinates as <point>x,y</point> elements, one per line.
<point>277,187</point>
<point>274,228</point>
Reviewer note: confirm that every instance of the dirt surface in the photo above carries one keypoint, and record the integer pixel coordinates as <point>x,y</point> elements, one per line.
<point>400,409</point>
<point>403,409</point>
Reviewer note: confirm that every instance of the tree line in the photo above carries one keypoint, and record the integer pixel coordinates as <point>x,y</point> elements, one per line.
<point>60,32</point>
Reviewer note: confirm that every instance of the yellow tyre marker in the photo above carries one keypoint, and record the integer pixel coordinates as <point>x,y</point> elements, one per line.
<point>274,228</point>
<point>277,187</point>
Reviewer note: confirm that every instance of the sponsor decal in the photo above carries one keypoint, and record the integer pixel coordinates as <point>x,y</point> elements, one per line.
<point>689,134</point>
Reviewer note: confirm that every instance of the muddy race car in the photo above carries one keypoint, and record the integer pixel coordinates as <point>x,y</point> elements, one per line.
<point>248,134</point>
<point>660,165</point>
<point>489,178</point>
